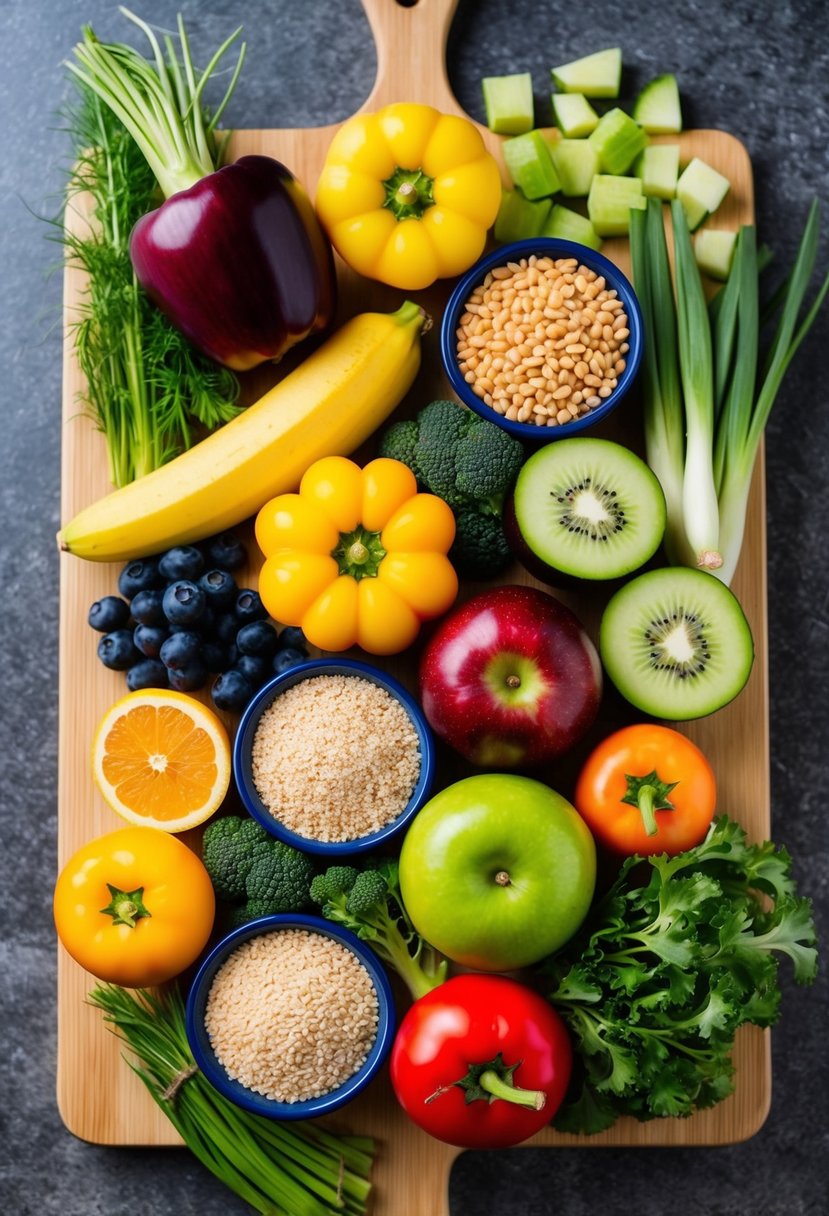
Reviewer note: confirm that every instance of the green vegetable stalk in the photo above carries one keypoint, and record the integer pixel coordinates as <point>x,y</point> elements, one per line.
<point>147,388</point>
<point>663,975</point>
<point>280,1170</point>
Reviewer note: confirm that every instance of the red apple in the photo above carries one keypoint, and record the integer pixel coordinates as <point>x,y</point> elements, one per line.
<point>511,678</point>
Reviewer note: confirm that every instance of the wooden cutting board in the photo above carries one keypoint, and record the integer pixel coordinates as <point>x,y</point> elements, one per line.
<point>99,1098</point>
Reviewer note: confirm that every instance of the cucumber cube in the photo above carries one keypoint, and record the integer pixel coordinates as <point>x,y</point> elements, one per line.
<point>508,101</point>
<point>519,218</point>
<point>714,251</point>
<point>610,201</point>
<point>570,226</point>
<point>657,108</point>
<point>577,163</point>
<point>618,141</point>
<point>530,164</point>
<point>574,115</point>
<point>700,189</point>
<point>597,75</point>
<point>658,167</point>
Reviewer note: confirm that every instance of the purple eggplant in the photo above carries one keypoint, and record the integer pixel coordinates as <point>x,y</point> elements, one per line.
<point>234,256</point>
<point>238,262</point>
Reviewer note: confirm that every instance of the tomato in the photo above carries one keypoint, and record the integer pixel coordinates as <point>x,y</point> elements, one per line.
<point>481,1062</point>
<point>647,789</point>
<point>134,907</point>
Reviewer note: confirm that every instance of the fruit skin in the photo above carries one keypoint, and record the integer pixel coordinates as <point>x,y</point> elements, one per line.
<point>466,670</point>
<point>142,575</point>
<point>108,614</point>
<point>497,871</point>
<point>469,1021</point>
<point>183,602</point>
<point>117,650</point>
<point>148,673</point>
<point>232,691</point>
<point>287,657</point>
<point>332,402</point>
<point>174,888</point>
<point>182,561</point>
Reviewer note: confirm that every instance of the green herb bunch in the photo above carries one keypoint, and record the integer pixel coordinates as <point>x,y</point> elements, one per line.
<point>658,982</point>
<point>147,388</point>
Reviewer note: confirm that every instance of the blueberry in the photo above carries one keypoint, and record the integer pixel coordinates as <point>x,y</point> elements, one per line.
<point>215,656</point>
<point>225,628</point>
<point>189,678</point>
<point>232,691</point>
<point>147,608</point>
<point>220,588</point>
<point>180,650</point>
<point>254,667</point>
<point>226,551</point>
<point>249,607</point>
<point>183,602</point>
<point>147,673</point>
<point>286,658</point>
<point>140,575</point>
<point>259,638</point>
<point>184,561</point>
<point>293,636</point>
<point>109,613</point>
<point>117,651</point>
<point>149,639</point>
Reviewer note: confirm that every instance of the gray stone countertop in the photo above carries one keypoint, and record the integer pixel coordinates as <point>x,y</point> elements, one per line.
<point>759,70</point>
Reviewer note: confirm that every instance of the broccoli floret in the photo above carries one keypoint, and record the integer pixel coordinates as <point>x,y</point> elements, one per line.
<point>398,443</point>
<point>480,549</point>
<point>279,880</point>
<point>229,848</point>
<point>440,426</point>
<point>487,461</point>
<point>369,903</point>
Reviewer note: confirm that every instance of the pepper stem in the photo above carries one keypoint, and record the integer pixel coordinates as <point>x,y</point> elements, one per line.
<point>492,1082</point>
<point>125,907</point>
<point>409,193</point>
<point>360,553</point>
<point>535,1099</point>
<point>650,794</point>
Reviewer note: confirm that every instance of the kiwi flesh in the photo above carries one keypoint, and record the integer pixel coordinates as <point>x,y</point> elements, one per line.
<point>676,643</point>
<point>589,509</point>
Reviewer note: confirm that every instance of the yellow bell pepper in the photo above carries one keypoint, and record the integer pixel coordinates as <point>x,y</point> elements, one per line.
<point>407,194</point>
<point>357,557</point>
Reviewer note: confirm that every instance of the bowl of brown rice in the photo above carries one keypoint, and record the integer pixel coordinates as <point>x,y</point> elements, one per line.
<point>543,337</point>
<point>290,1016</point>
<point>333,756</point>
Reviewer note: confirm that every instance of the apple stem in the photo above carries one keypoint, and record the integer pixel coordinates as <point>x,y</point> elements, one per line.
<point>502,878</point>
<point>513,681</point>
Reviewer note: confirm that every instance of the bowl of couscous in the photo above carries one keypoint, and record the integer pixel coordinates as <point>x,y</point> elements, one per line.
<point>333,757</point>
<point>543,337</point>
<point>290,1016</point>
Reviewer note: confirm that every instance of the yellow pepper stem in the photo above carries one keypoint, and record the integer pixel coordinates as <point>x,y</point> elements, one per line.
<point>409,192</point>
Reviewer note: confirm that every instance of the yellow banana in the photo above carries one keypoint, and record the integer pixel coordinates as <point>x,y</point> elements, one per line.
<point>326,407</point>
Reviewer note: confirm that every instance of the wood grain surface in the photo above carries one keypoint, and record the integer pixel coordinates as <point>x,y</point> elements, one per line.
<point>99,1097</point>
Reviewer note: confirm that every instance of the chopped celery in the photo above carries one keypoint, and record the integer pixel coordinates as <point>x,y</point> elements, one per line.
<point>570,226</point>
<point>597,75</point>
<point>577,163</point>
<point>714,251</point>
<point>574,115</point>
<point>618,140</point>
<point>657,107</point>
<point>658,167</point>
<point>530,164</point>
<point>519,218</point>
<point>508,101</point>
<point>610,201</point>
<point>700,189</point>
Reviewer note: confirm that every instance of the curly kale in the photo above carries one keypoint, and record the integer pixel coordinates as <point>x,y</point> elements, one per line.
<point>369,903</point>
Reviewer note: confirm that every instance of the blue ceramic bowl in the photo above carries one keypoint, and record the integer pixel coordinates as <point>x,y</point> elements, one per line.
<point>247,1098</point>
<point>542,247</point>
<point>243,747</point>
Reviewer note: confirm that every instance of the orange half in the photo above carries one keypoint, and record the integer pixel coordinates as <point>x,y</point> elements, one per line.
<point>162,759</point>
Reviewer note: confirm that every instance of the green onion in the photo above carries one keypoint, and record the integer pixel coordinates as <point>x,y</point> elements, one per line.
<point>279,1169</point>
<point>147,388</point>
<point>704,412</point>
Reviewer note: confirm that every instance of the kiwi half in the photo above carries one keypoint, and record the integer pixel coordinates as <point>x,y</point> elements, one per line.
<point>589,508</point>
<point>676,644</point>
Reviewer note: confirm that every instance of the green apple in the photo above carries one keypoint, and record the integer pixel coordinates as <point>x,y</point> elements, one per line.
<point>497,871</point>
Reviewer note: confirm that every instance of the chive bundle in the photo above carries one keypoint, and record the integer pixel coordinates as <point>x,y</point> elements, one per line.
<point>280,1170</point>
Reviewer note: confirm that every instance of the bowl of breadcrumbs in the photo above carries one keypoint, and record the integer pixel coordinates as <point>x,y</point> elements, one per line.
<point>333,757</point>
<point>542,337</point>
<point>290,1016</point>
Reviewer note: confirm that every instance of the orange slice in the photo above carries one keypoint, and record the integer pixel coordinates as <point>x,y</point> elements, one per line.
<point>161,759</point>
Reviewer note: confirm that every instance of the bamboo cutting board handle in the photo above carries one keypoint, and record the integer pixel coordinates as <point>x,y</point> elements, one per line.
<point>411,52</point>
